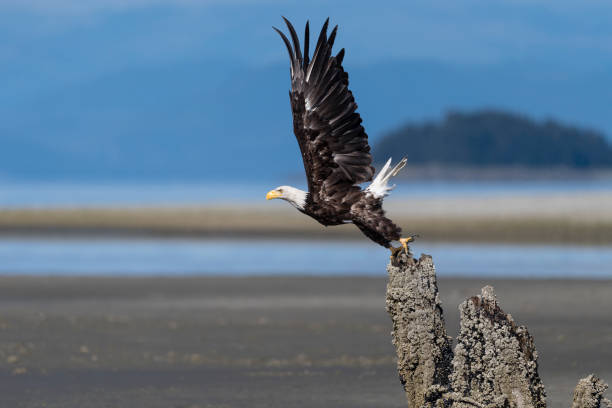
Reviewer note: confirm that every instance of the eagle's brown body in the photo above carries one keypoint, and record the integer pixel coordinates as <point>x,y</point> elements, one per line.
<point>333,142</point>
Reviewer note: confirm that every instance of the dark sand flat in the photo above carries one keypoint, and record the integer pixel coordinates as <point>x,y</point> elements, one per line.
<point>258,342</point>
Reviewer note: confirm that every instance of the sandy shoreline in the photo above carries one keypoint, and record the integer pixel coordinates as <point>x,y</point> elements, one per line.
<point>261,342</point>
<point>546,218</point>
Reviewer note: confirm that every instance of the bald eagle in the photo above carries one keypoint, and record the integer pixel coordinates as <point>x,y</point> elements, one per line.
<point>334,145</point>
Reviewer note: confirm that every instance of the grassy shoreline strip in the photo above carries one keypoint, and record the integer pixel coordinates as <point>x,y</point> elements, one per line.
<point>237,223</point>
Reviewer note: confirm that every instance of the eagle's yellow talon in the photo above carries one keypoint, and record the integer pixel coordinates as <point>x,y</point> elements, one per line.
<point>405,241</point>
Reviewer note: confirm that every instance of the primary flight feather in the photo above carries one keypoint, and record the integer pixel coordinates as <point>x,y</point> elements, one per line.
<point>334,144</point>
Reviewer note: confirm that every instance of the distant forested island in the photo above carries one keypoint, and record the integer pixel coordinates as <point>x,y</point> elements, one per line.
<point>496,139</point>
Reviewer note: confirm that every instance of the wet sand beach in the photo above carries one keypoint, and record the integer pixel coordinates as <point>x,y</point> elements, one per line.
<point>257,341</point>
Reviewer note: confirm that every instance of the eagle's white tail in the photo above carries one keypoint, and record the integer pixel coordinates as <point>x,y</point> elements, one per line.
<point>379,188</point>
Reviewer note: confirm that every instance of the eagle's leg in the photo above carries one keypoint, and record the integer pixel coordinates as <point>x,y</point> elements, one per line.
<point>395,251</point>
<point>406,241</point>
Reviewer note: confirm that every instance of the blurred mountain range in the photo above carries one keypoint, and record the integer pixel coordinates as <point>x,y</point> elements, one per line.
<point>174,122</point>
<point>497,139</point>
<point>197,90</point>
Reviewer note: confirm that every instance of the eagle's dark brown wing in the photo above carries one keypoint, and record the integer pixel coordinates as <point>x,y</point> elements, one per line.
<point>333,143</point>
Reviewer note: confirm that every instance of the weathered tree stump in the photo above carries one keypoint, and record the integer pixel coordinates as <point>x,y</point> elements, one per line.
<point>423,349</point>
<point>589,393</point>
<point>494,363</point>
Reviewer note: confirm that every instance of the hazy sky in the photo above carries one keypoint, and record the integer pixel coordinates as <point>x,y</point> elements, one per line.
<point>577,33</point>
<point>544,58</point>
<point>46,42</point>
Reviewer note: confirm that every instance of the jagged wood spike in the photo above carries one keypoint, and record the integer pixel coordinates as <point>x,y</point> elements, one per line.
<point>423,348</point>
<point>589,393</point>
<point>512,376</point>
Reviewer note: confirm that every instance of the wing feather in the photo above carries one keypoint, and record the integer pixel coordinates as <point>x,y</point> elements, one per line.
<point>296,42</point>
<point>333,142</point>
<point>306,44</point>
<point>288,45</point>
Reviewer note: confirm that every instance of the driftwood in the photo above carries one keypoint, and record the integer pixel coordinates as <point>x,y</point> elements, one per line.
<point>494,363</point>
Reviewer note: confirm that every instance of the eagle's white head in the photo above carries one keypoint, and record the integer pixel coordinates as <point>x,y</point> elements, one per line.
<point>294,195</point>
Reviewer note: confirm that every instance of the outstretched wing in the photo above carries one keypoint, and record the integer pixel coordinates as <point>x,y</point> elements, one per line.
<point>328,129</point>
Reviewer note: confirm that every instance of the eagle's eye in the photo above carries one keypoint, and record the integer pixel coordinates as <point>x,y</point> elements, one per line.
<point>280,190</point>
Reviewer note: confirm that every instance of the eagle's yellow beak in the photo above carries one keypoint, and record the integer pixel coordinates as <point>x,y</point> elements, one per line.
<point>273,194</point>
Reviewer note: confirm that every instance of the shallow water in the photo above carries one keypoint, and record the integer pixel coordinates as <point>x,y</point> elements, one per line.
<point>226,257</point>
